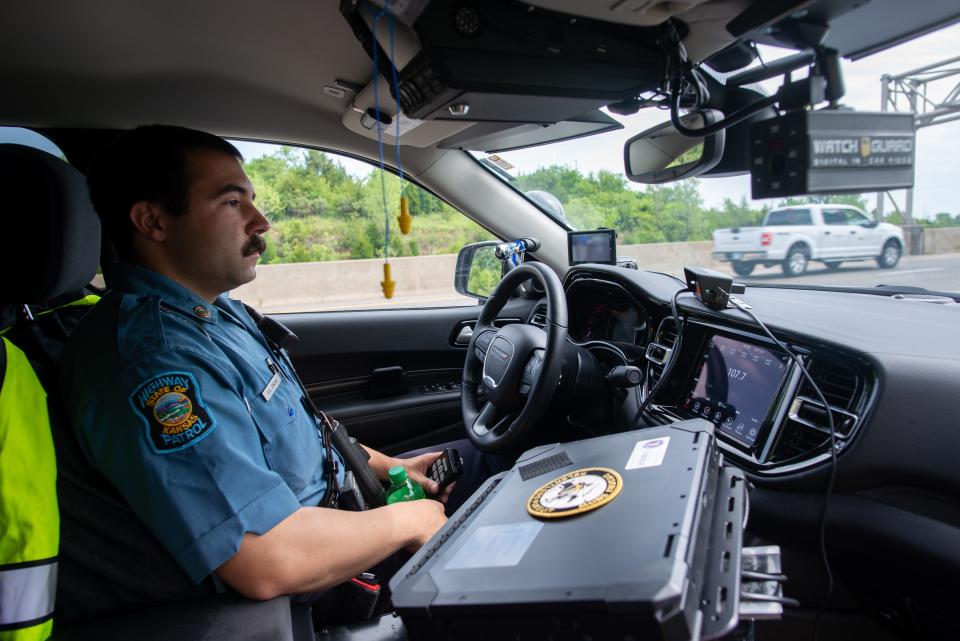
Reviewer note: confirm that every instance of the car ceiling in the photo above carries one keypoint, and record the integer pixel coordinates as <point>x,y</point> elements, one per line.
<point>238,68</point>
<point>257,70</point>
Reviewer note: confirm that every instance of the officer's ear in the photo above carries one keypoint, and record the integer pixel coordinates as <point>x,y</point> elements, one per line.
<point>149,220</point>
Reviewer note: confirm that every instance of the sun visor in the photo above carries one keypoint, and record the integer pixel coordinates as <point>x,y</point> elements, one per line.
<point>510,62</point>
<point>497,137</point>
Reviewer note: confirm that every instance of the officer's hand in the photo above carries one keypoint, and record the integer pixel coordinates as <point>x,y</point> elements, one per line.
<point>417,468</point>
<point>426,518</point>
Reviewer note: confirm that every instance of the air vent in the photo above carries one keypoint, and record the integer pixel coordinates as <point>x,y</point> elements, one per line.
<point>667,337</point>
<point>539,316</point>
<point>806,431</point>
<point>839,384</point>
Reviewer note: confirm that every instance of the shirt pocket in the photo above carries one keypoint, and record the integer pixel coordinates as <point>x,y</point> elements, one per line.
<point>291,444</point>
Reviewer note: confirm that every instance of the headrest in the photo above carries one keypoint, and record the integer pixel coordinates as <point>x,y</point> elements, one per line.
<point>48,215</point>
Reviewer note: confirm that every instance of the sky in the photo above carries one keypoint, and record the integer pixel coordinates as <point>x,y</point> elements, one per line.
<point>938,148</point>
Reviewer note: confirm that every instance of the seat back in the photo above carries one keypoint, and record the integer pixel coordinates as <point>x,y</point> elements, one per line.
<point>45,204</point>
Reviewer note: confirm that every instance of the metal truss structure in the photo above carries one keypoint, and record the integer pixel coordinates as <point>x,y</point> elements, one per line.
<point>932,93</point>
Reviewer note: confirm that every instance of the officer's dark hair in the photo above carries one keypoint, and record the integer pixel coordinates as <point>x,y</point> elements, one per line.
<point>149,164</point>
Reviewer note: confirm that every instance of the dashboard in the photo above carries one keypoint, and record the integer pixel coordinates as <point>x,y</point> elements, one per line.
<point>768,418</point>
<point>888,367</point>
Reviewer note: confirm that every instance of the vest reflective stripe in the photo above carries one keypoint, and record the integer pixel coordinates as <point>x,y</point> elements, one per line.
<point>27,594</point>
<point>87,301</point>
<point>29,519</point>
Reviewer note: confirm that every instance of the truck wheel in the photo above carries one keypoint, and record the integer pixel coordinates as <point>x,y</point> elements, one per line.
<point>796,261</point>
<point>890,255</point>
<point>742,269</point>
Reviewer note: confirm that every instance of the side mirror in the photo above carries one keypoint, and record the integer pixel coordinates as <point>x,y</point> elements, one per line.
<point>478,270</point>
<point>662,154</point>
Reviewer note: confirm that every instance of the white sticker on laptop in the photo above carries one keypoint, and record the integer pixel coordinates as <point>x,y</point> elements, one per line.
<point>648,453</point>
<point>495,546</point>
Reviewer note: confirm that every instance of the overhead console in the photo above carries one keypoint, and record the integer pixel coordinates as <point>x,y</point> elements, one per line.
<point>514,62</point>
<point>767,416</point>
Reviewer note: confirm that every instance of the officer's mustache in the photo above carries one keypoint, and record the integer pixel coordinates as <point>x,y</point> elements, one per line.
<point>256,245</point>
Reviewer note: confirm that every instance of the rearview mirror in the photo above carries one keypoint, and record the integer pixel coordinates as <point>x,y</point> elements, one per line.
<point>662,154</point>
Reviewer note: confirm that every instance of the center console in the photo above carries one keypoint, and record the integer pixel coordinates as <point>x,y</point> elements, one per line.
<point>767,417</point>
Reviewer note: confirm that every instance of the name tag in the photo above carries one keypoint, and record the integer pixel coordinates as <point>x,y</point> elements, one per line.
<point>271,387</point>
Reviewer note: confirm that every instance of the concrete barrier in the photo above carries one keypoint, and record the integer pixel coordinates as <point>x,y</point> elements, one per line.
<point>669,257</point>
<point>353,284</point>
<point>941,240</point>
<point>427,281</point>
<point>422,281</point>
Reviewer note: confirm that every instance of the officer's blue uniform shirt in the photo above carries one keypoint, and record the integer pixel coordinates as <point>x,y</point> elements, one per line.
<point>171,398</point>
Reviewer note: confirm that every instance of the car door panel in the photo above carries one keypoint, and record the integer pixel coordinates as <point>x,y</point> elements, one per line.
<point>391,376</point>
<point>837,243</point>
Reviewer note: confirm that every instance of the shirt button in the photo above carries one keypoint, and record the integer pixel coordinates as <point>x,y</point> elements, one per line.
<point>290,411</point>
<point>201,311</point>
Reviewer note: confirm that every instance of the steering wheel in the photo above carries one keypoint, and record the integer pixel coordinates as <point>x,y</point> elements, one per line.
<point>517,366</point>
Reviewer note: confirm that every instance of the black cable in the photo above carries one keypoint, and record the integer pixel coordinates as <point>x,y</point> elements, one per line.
<point>668,367</point>
<point>833,461</point>
<point>737,116</point>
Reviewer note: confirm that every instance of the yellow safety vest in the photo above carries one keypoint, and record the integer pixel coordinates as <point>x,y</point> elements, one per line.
<point>29,519</point>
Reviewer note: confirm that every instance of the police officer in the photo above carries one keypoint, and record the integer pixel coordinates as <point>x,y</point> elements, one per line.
<point>179,401</point>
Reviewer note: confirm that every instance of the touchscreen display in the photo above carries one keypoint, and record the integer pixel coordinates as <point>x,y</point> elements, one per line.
<point>735,386</point>
<point>598,246</point>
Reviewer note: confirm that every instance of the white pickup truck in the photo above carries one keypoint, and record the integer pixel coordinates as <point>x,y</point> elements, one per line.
<point>793,236</point>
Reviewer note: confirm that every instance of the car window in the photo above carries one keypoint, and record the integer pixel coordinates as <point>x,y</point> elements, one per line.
<point>325,249</point>
<point>856,218</point>
<point>29,138</point>
<point>789,217</point>
<point>834,217</point>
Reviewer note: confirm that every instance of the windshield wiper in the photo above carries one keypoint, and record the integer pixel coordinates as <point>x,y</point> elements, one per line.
<point>892,291</point>
<point>906,292</point>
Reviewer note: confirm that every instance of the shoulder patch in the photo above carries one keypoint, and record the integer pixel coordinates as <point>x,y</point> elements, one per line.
<point>173,411</point>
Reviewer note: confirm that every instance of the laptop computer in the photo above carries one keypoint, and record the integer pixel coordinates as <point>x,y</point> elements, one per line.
<point>634,535</point>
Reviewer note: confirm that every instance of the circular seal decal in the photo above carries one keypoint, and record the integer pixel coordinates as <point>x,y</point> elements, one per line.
<point>172,409</point>
<point>575,492</point>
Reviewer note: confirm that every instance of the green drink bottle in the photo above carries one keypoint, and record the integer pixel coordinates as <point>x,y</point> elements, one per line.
<point>402,488</point>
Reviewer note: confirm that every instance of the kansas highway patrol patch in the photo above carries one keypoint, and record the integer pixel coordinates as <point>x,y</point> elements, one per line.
<point>173,411</point>
<point>575,493</point>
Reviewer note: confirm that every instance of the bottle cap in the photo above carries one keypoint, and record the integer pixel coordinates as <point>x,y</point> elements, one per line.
<point>398,474</point>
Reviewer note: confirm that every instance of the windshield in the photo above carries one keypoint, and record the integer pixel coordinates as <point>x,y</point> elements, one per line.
<point>857,240</point>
